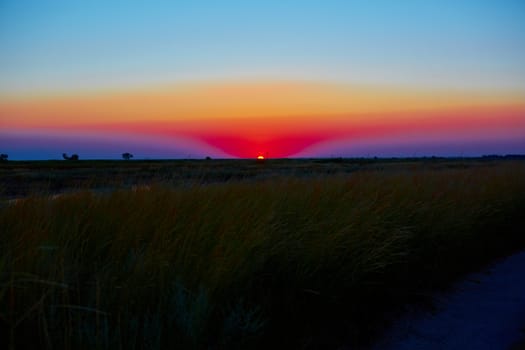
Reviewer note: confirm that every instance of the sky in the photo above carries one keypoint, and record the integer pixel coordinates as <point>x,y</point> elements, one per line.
<point>189,79</point>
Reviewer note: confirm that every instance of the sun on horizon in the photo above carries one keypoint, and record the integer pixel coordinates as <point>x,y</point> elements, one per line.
<point>186,80</point>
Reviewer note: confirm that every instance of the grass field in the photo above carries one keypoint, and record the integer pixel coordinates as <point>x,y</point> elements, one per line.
<point>234,254</point>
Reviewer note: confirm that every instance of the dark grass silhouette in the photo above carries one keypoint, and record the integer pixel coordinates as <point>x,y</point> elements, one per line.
<point>307,262</point>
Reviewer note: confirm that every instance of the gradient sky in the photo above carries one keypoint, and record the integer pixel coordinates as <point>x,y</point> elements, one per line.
<point>239,78</point>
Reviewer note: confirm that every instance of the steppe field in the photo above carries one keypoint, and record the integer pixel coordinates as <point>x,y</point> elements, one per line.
<point>226,254</point>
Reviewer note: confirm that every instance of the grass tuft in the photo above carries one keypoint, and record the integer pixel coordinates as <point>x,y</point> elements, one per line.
<point>297,262</point>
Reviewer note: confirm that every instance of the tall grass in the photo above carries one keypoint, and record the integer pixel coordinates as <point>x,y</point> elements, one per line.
<point>294,262</point>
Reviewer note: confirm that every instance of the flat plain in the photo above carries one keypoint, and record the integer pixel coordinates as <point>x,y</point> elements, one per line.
<point>300,253</point>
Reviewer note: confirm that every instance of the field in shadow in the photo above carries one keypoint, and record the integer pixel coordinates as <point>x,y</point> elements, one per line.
<point>235,254</point>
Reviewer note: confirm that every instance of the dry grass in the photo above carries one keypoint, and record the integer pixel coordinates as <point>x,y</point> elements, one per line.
<point>295,262</point>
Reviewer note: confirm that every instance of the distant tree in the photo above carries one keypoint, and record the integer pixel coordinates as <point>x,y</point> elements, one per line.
<point>73,156</point>
<point>127,156</point>
<point>3,157</point>
<point>208,158</point>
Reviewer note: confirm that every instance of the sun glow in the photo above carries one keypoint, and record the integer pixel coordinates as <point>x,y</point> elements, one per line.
<point>244,119</point>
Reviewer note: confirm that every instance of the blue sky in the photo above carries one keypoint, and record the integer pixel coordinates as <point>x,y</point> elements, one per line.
<point>50,46</point>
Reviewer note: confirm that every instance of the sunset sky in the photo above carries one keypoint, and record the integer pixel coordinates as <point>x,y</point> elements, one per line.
<point>178,79</point>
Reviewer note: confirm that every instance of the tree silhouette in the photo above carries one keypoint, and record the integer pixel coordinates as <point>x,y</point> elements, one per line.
<point>73,156</point>
<point>127,156</point>
<point>3,157</point>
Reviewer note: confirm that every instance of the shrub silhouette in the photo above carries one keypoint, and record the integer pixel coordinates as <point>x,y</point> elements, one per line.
<point>127,156</point>
<point>73,156</point>
<point>3,157</point>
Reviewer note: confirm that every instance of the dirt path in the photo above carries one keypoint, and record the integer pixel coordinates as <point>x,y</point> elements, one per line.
<point>486,311</point>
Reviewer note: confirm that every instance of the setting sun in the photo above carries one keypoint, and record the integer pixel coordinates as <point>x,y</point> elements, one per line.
<point>320,82</point>
<point>267,173</point>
